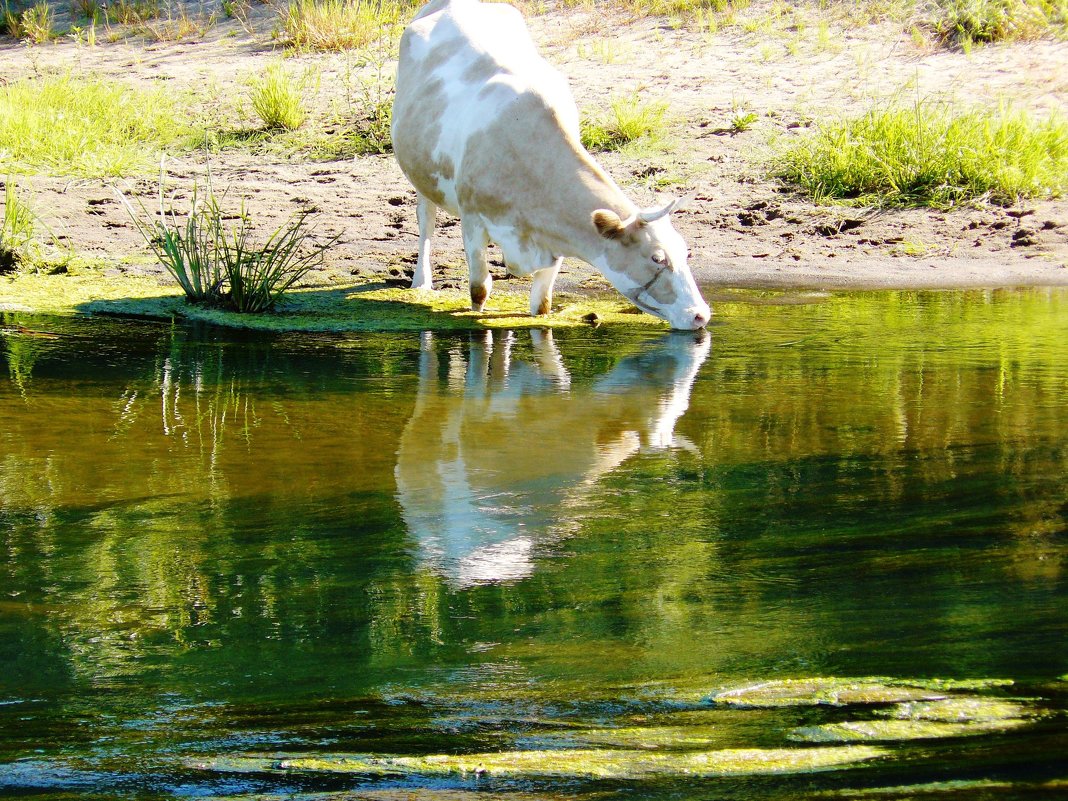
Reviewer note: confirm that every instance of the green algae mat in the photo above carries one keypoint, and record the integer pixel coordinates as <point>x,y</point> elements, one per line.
<point>361,306</point>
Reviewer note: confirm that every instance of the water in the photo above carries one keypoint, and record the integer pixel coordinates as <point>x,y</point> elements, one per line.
<point>817,553</point>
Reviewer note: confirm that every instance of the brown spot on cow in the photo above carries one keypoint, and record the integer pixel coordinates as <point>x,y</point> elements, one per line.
<point>544,307</point>
<point>416,132</point>
<point>442,53</point>
<point>480,71</point>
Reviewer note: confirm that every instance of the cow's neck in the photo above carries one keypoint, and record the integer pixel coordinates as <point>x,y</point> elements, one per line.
<point>583,189</point>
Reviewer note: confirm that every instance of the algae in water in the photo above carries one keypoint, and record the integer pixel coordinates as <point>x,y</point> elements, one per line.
<point>568,763</point>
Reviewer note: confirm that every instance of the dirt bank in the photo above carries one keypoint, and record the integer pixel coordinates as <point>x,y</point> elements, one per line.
<point>745,230</point>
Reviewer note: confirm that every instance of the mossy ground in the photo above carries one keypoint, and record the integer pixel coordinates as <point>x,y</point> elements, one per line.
<point>350,306</point>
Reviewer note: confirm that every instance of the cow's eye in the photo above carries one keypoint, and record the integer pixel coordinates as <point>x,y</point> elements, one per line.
<point>660,257</point>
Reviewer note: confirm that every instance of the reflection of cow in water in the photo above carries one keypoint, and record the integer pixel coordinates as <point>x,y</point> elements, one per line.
<point>498,448</point>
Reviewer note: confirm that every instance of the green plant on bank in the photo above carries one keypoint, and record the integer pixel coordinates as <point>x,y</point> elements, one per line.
<point>39,23</point>
<point>219,266</point>
<point>966,22</point>
<point>89,10</point>
<point>132,12</point>
<point>175,26</point>
<point>743,121</point>
<point>628,120</point>
<point>931,154</point>
<point>277,98</point>
<point>9,17</point>
<point>678,7</point>
<point>16,228</point>
<point>342,24</point>
<point>359,124</point>
<point>108,128</point>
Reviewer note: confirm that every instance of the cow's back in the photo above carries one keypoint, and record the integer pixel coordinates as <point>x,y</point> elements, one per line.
<point>462,65</point>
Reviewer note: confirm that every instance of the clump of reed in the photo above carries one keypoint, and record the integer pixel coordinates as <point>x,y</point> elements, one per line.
<point>16,228</point>
<point>219,264</point>
<point>35,24</point>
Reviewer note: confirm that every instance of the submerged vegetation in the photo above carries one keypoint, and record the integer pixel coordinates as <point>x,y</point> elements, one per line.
<point>698,738</point>
<point>930,153</point>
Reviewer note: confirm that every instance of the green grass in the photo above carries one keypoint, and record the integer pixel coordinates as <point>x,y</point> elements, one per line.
<point>217,265</point>
<point>132,12</point>
<point>277,98</point>
<point>966,22</point>
<point>342,24</point>
<point>930,154</point>
<point>68,125</point>
<point>628,120</point>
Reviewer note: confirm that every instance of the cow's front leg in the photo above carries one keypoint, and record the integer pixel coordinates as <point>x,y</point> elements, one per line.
<point>541,293</point>
<point>426,212</point>
<point>476,239</point>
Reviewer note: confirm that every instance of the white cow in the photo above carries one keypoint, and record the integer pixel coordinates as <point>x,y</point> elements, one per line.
<point>485,128</point>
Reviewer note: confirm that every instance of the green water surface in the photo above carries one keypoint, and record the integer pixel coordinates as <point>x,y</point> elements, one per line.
<point>819,552</point>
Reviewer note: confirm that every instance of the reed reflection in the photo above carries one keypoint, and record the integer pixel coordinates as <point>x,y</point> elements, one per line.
<point>502,443</point>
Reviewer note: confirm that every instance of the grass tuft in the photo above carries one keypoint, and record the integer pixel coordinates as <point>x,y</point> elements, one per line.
<point>965,22</point>
<point>629,119</point>
<point>278,100</point>
<point>16,229</point>
<point>132,12</point>
<point>341,24</point>
<point>682,7</point>
<point>930,154</point>
<point>219,266</point>
<point>176,26</point>
<point>69,125</point>
<point>37,24</point>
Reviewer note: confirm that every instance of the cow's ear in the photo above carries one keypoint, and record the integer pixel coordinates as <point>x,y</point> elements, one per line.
<point>608,224</point>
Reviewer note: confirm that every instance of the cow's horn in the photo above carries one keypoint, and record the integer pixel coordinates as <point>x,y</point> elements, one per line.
<point>654,214</point>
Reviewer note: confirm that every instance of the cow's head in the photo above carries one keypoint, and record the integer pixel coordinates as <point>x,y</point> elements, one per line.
<point>645,259</point>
